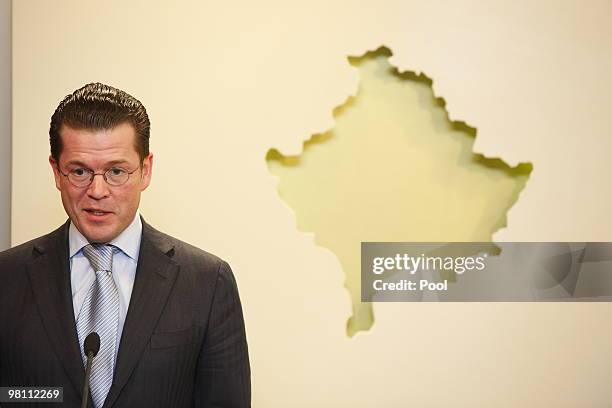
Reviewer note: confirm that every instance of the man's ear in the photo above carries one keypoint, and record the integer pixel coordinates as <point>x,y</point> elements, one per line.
<point>56,173</point>
<point>147,172</point>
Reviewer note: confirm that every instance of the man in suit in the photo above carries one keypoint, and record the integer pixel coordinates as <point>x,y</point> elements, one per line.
<point>168,314</point>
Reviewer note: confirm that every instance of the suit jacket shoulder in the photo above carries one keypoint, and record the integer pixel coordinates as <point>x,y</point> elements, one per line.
<point>180,251</point>
<point>13,261</point>
<point>31,249</point>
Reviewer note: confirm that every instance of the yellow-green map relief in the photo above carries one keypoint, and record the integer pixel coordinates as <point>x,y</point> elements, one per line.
<point>394,168</point>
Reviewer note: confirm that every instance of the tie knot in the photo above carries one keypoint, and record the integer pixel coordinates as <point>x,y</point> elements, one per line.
<point>100,256</point>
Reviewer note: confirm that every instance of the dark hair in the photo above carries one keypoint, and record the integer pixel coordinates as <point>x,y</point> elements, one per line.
<point>99,107</point>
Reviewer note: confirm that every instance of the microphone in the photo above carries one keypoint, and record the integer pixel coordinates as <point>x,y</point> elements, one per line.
<point>91,346</point>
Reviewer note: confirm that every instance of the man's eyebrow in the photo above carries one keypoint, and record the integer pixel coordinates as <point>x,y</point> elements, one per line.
<point>76,163</point>
<point>115,162</point>
<point>108,164</point>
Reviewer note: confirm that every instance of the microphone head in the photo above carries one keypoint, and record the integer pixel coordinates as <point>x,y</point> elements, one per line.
<point>92,343</point>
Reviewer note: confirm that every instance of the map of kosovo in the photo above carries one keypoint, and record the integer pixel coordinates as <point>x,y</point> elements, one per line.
<point>394,168</point>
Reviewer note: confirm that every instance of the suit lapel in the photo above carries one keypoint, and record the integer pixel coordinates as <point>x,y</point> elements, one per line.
<point>155,276</point>
<point>49,274</point>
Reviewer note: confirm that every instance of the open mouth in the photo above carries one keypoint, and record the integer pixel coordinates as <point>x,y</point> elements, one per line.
<point>96,213</point>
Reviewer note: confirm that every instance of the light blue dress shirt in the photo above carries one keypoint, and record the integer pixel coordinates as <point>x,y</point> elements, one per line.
<point>125,261</point>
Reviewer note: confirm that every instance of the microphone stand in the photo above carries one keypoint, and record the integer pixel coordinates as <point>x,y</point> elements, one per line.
<point>91,346</point>
<point>85,402</point>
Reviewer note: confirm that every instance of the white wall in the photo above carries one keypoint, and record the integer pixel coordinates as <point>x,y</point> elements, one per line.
<point>5,123</point>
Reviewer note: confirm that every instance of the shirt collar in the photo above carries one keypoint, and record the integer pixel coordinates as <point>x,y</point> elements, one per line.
<point>128,241</point>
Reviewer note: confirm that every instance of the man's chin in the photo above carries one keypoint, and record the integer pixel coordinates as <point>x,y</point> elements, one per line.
<point>99,239</point>
<point>98,234</point>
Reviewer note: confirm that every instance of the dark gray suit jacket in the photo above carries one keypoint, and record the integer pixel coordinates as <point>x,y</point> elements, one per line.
<point>183,342</point>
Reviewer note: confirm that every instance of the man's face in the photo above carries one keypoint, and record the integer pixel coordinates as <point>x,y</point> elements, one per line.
<point>101,211</point>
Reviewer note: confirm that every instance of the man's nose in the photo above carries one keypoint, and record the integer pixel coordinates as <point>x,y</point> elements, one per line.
<point>98,188</point>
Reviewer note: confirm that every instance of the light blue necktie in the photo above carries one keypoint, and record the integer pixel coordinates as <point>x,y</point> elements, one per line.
<point>100,314</point>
